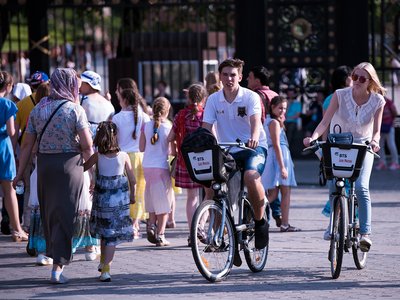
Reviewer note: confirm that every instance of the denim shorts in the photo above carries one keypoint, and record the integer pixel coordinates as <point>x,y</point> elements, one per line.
<point>252,160</point>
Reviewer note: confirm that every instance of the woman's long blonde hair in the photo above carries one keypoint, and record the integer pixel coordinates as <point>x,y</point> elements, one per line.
<point>374,84</point>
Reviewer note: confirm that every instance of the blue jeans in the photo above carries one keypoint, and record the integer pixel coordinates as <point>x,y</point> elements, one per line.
<point>362,192</point>
<point>252,160</point>
<point>276,207</point>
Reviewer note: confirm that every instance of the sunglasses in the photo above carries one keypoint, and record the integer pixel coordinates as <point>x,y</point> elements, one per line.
<point>361,79</point>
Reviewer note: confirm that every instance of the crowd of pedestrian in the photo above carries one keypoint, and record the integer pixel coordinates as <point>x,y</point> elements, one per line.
<point>93,176</point>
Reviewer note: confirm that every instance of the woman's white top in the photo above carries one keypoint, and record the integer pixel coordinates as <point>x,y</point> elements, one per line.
<point>359,120</point>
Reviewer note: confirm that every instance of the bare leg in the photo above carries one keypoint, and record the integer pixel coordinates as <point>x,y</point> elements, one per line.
<point>285,204</point>
<point>191,204</point>
<point>256,192</point>
<point>272,194</point>
<point>11,205</point>
<point>152,219</point>
<point>161,223</point>
<point>108,254</point>
<point>171,215</point>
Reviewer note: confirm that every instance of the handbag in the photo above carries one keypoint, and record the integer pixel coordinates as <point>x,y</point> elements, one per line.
<point>345,138</point>
<point>340,138</point>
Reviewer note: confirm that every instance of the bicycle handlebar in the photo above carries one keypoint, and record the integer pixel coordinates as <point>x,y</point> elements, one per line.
<point>315,145</point>
<point>237,144</point>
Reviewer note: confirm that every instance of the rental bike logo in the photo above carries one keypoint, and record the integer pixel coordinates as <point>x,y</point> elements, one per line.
<point>344,157</point>
<point>201,161</point>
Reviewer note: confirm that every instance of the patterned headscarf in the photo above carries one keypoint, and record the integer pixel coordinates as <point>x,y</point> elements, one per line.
<point>64,85</point>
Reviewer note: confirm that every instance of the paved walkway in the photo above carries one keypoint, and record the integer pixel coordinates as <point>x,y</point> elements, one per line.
<point>297,266</point>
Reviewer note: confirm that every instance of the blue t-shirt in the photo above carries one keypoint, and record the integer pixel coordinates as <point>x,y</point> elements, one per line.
<point>7,109</point>
<point>7,162</point>
<point>293,109</point>
<point>327,101</point>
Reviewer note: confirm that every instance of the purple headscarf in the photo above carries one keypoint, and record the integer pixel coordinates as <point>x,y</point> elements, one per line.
<point>64,85</point>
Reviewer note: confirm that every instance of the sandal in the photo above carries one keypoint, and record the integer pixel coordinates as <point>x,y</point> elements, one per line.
<point>19,236</point>
<point>136,234</point>
<point>151,234</point>
<point>289,228</point>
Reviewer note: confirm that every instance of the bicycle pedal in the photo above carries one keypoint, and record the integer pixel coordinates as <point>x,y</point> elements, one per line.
<point>237,260</point>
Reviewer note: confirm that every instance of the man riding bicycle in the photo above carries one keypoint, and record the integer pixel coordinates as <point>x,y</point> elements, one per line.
<point>237,114</point>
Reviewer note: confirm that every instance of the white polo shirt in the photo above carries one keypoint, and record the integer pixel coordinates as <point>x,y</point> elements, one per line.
<point>233,119</point>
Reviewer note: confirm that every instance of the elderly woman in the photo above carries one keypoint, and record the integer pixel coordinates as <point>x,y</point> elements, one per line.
<point>64,140</point>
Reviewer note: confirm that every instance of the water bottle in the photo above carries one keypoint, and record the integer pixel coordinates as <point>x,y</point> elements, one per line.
<point>20,188</point>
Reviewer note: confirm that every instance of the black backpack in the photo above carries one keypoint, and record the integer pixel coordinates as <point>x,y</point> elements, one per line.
<point>204,159</point>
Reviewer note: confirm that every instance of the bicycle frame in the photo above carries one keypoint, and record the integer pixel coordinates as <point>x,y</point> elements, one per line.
<point>349,209</point>
<point>216,239</point>
<point>343,162</point>
<point>239,226</point>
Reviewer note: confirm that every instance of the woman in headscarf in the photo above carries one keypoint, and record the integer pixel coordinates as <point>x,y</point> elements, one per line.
<point>64,138</point>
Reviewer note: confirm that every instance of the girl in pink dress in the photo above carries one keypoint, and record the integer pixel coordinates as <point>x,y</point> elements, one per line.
<point>158,195</point>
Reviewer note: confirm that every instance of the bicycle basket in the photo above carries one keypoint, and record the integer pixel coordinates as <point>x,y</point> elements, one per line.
<point>343,161</point>
<point>206,164</point>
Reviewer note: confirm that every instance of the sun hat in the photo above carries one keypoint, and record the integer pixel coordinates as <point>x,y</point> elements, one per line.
<point>21,90</point>
<point>37,78</point>
<point>92,78</point>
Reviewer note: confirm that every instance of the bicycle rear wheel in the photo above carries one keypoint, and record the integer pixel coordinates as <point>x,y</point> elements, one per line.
<point>360,258</point>
<point>255,258</point>
<point>213,258</point>
<point>337,240</point>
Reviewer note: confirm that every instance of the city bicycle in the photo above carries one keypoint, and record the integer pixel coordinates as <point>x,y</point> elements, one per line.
<point>219,231</point>
<point>343,161</point>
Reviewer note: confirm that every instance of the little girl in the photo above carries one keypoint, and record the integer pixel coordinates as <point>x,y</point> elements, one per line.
<point>110,220</point>
<point>129,122</point>
<point>158,194</point>
<point>279,169</point>
<point>186,121</point>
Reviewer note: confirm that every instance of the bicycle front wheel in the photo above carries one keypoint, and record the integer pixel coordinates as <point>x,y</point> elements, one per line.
<point>213,256</point>
<point>360,258</point>
<point>255,258</point>
<point>338,236</point>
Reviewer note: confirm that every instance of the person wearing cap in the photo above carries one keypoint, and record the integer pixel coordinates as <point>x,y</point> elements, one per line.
<point>97,108</point>
<point>25,107</point>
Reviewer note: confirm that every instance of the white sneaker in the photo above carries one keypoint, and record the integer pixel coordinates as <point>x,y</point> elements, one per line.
<point>60,280</point>
<point>105,277</point>
<point>43,260</point>
<point>365,243</point>
<point>90,256</point>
